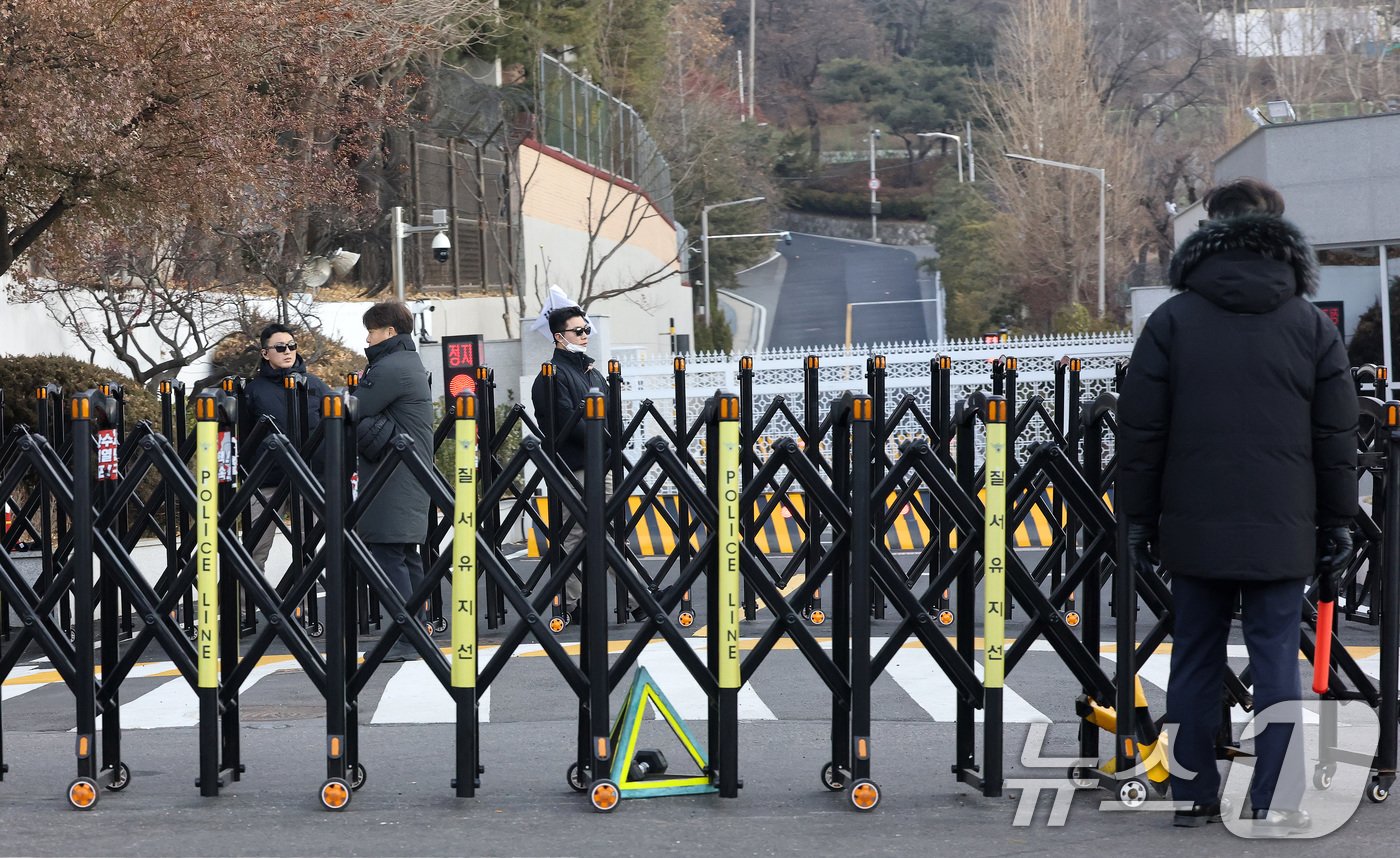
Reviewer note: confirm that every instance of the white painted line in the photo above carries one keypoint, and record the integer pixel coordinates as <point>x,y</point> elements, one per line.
<point>923,680</point>
<point>414,696</point>
<point>684,692</point>
<point>175,704</point>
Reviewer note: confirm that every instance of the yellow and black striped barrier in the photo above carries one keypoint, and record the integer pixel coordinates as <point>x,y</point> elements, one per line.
<point>781,533</point>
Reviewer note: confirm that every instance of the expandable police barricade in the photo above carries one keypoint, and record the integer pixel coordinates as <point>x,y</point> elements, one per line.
<point>844,476</point>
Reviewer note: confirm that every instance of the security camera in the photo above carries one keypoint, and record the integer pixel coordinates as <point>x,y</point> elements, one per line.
<point>442,248</point>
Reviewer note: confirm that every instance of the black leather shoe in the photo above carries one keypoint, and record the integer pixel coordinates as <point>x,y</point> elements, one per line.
<point>1200,814</point>
<point>1281,823</point>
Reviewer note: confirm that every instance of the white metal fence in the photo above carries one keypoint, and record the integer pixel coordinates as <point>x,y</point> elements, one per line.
<point>779,373</point>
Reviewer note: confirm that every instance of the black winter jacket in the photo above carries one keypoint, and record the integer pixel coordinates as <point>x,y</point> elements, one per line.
<point>1237,417</point>
<point>574,377</point>
<point>265,396</point>
<point>395,383</point>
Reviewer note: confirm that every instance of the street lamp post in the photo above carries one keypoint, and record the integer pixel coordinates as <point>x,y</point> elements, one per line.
<point>398,230</point>
<point>705,250</point>
<point>874,188</point>
<point>1103,185</point>
<point>955,138</point>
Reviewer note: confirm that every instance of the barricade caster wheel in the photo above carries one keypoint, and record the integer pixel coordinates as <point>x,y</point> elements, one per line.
<point>946,618</point>
<point>832,779</point>
<point>1322,777</point>
<point>1132,793</point>
<point>440,625</point>
<point>335,794</point>
<point>315,630</point>
<point>817,617</point>
<point>604,795</point>
<point>358,776</point>
<point>1377,793</point>
<point>83,794</point>
<point>1082,777</point>
<point>120,779</point>
<point>557,624</point>
<point>575,779</point>
<point>687,619</point>
<point>1072,619</point>
<point>865,795</point>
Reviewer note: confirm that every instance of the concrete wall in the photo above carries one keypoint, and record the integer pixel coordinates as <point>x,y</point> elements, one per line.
<point>561,199</point>
<point>1340,177</point>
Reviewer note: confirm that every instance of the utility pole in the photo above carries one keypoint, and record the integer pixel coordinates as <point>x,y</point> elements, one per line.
<point>874,189</point>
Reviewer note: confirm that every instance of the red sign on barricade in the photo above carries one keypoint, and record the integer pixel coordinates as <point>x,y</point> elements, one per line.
<point>107,454</point>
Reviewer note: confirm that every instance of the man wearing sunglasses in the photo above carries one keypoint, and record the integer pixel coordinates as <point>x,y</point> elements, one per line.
<point>574,375</point>
<point>266,396</point>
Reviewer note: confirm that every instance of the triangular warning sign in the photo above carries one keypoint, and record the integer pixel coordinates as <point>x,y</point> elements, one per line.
<point>625,733</point>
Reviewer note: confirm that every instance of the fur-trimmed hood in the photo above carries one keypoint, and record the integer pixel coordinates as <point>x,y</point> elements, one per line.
<point>1231,249</point>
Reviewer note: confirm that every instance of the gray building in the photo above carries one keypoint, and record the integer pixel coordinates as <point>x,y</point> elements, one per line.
<point>1341,180</point>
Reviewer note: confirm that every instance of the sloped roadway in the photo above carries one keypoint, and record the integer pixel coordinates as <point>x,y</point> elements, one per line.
<point>824,275</point>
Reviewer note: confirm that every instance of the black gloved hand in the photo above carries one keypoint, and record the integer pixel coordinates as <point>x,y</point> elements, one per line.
<point>1333,555</point>
<point>1142,547</point>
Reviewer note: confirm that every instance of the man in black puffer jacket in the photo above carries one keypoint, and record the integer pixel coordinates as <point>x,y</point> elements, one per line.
<point>574,376</point>
<point>266,396</point>
<point>1237,451</point>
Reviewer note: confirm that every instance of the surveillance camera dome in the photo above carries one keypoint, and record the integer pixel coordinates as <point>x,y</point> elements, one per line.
<point>442,247</point>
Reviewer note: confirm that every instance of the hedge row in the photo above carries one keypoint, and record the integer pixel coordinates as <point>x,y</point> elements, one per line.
<point>853,204</point>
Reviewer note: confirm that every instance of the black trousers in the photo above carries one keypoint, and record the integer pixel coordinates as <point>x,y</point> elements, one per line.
<point>403,565</point>
<point>1271,613</point>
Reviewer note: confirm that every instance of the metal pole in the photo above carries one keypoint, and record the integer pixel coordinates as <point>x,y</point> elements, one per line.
<point>396,250</point>
<point>753,27</point>
<point>874,200</point>
<point>971,159</point>
<point>1103,186</point>
<point>705,265</point>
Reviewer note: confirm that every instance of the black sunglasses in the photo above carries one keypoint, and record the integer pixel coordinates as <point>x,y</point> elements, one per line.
<point>281,348</point>
<point>578,332</point>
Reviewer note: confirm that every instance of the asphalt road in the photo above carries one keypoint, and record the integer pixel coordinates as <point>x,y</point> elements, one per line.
<point>528,736</point>
<point>825,275</point>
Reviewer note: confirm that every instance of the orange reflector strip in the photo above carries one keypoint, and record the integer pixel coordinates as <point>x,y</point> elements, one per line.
<point>602,748</point>
<point>594,407</point>
<point>679,364</point>
<point>546,369</point>
<point>84,746</point>
<point>1392,415</point>
<point>466,407</point>
<point>746,362</point>
<point>945,362</point>
<point>862,749</point>
<point>614,367</point>
<point>1075,365</point>
<point>335,747</point>
<point>813,362</point>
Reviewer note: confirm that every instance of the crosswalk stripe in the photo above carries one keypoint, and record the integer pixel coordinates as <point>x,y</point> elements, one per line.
<point>413,695</point>
<point>175,704</point>
<point>1157,671</point>
<point>924,681</point>
<point>8,691</point>
<point>684,692</point>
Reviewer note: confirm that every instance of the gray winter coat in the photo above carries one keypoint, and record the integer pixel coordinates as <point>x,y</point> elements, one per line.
<point>396,383</point>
